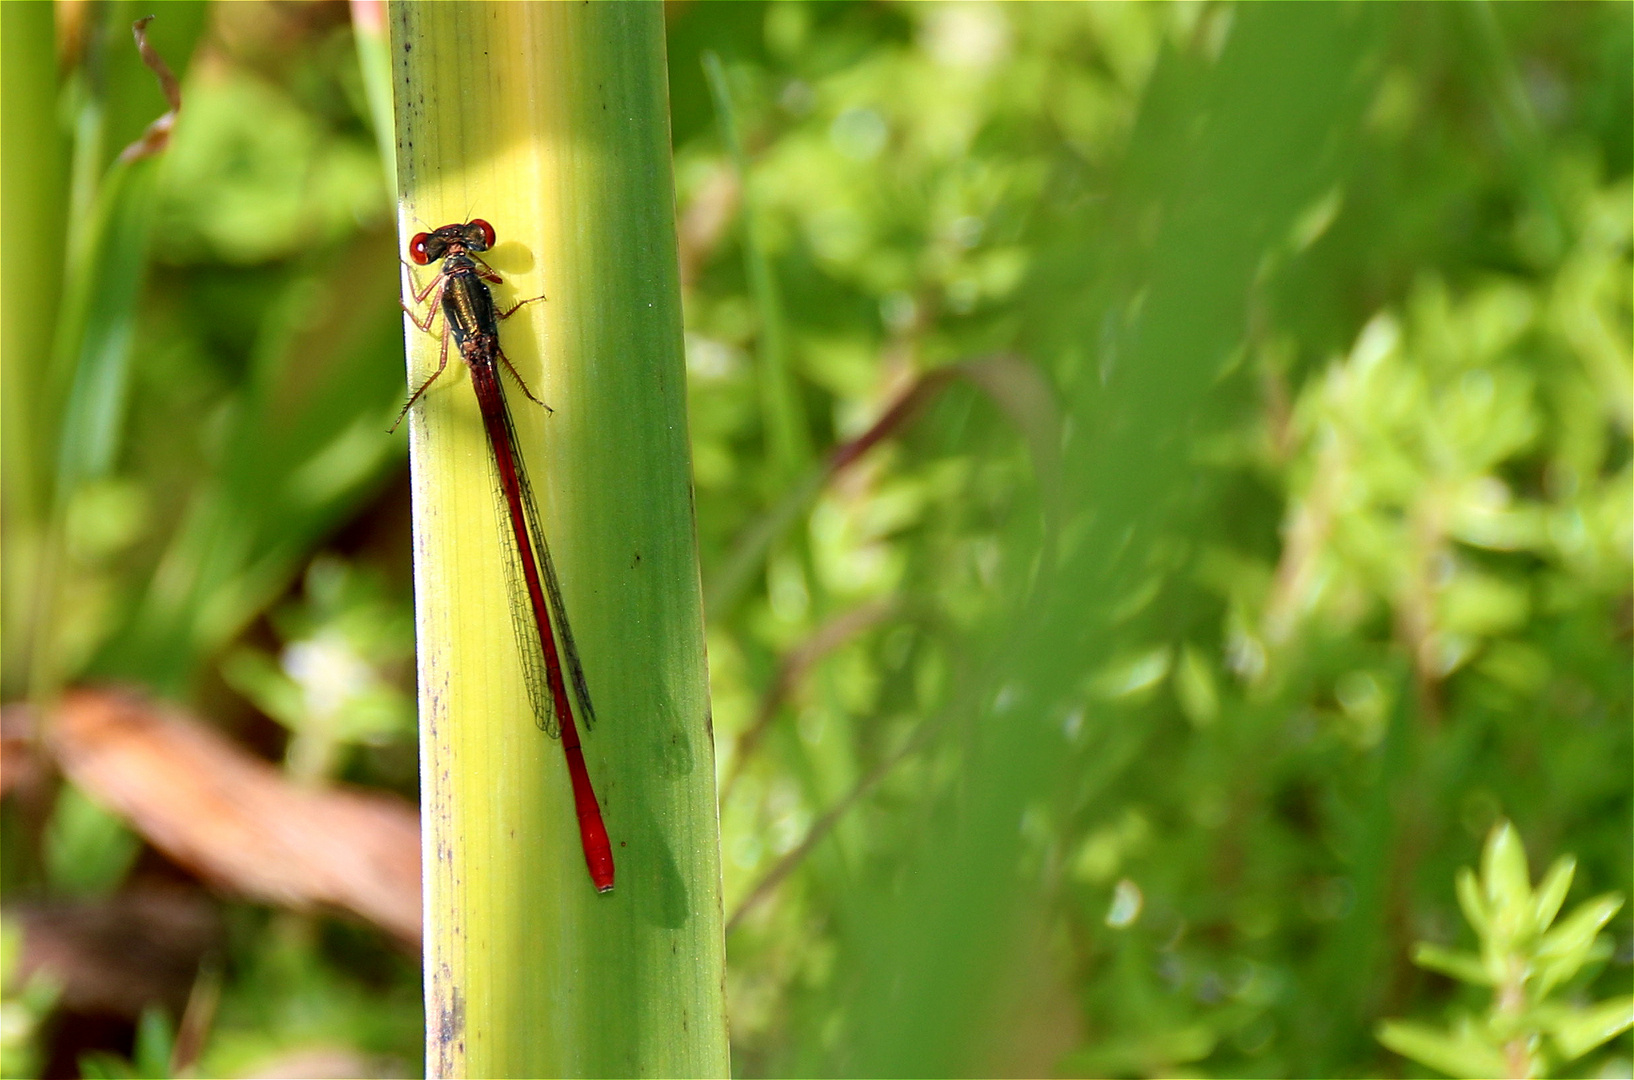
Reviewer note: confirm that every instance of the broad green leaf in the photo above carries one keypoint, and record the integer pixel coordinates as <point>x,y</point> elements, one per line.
<point>562,144</point>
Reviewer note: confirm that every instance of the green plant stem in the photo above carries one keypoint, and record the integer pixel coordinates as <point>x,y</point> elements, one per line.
<point>33,168</point>
<point>550,122</point>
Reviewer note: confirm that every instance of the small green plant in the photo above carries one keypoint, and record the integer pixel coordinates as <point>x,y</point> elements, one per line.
<point>1527,958</point>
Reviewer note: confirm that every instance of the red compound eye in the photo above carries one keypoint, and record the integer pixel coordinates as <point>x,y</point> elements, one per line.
<point>417,249</point>
<point>486,230</point>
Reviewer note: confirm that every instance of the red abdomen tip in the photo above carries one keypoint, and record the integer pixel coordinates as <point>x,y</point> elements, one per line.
<point>598,852</point>
<point>601,870</point>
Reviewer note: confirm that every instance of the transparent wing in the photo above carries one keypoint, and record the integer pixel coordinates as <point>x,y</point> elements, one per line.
<point>526,625</point>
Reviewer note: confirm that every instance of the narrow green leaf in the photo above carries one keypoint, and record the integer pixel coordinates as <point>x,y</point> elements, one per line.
<point>1551,892</point>
<point>1568,947</point>
<point>94,421</point>
<point>95,337</point>
<point>1581,1030</point>
<point>1464,966</point>
<point>1469,898</point>
<point>1464,1054</point>
<point>1505,879</point>
<point>1578,929</point>
<point>155,1041</point>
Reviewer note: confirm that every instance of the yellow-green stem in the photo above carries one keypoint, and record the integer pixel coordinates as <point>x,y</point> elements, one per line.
<point>550,121</point>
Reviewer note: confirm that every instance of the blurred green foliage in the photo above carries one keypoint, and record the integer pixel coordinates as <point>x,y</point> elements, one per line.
<point>195,403</point>
<point>24,1009</point>
<point>337,682</point>
<point>1336,304</point>
<point>1130,708</point>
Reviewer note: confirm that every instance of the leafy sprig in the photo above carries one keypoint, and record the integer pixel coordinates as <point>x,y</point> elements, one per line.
<point>1527,957</point>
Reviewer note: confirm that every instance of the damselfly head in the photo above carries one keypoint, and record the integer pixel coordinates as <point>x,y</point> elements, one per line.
<point>474,235</point>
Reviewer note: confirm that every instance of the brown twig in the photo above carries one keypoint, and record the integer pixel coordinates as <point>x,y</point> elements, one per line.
<point>157,135</point>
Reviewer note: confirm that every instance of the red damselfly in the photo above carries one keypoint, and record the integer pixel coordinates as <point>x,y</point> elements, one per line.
<point>543,636</point>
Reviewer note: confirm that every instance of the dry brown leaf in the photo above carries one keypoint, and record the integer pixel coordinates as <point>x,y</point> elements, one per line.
<point>236,820</point>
